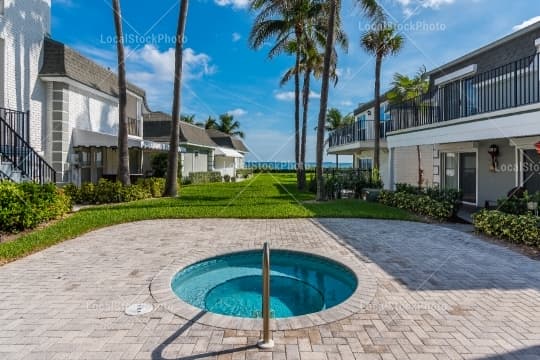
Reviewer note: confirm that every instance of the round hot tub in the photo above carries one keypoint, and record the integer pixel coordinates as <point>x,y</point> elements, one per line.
<point>231,284</point>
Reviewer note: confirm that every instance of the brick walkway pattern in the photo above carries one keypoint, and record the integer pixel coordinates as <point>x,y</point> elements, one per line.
<point>440,294</point>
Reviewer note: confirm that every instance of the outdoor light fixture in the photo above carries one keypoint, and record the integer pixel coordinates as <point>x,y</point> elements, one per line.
<point>493,151</point>
<point>537,146</point>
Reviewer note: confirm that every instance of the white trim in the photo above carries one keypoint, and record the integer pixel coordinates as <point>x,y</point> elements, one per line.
<point>458,170</point>
<point>71,82</point>
<point>458,74</point>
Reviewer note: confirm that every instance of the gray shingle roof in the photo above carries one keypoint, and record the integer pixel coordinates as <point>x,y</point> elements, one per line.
<point>61,61</point>
<point>225,140</point>
<point>157,127</point>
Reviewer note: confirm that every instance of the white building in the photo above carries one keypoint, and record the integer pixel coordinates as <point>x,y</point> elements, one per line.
<point>58,109</point>
<point>476,128</point>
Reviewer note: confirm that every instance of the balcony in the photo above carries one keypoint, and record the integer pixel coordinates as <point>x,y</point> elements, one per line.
<point>509,86</point>
<point>360,131</point>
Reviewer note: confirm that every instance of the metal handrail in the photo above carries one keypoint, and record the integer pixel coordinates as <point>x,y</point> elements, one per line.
<point>15,149</point>
<point>18,121</point>
<point>362,130</point>
<point>266,342</point>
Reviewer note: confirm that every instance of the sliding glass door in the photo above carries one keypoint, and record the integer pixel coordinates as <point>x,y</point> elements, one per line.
<point>460,173</point>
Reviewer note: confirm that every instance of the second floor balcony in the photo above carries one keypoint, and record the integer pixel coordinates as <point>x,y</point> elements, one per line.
<point>510,86</point>
<point>362,131</point>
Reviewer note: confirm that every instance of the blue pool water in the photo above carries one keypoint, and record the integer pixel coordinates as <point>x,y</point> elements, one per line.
<point>232,284</point>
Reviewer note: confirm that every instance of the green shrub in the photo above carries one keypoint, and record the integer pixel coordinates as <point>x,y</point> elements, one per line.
<point>109,192</point>
<point>227,178</point>
<point>244,173</point>
<point>159,164</point>
<point>521,229</point>
<point>24,206</point>
<point>154,186</point>
<point>205,177</point>
<point>419,204</point>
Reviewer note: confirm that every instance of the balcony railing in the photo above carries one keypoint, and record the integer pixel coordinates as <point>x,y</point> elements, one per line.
<point>508,86</point>
<point>363,130</point>
<point>19,121</point>
<point>133,127</point>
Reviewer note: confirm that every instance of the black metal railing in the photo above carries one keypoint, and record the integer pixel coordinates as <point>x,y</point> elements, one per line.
<point>18,121</point>
<point>133,127</point>
<point>363,130</point>
<point>16,150</point>
<point>505,87</point>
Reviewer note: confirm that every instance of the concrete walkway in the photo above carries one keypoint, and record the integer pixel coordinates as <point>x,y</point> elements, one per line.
<point>440,294</point>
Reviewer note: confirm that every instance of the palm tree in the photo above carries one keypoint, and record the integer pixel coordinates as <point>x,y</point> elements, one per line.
<point>381,41</point>
<point>286,21</point>
<point>374,11</point>
<point>190,119</point>
<point>210,123</point>
<point>123,150</point>
<point>171,183</point>
<point>334,121</point>
<point>229,126</point>
<point>409,90</point>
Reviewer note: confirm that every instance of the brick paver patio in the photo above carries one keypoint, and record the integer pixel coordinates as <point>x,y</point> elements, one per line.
<point>440,294</point>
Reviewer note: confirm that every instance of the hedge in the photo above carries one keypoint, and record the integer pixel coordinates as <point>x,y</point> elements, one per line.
<point>419,204</point>
<point>108,192</point>
<point>520,229</point>
<point>205,177</point>
<point>25,206</point>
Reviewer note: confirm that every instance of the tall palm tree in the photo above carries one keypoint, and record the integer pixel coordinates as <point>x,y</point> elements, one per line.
<point>171,182</point>
<point>285,21</point>
<point>409,90</point>
<point>123,150</point>
<point>190,119</point>
<point>229,126</point>
<point>334,121</point>
<point>381,41</point>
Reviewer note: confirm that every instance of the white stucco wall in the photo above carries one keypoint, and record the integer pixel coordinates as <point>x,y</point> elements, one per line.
<point>91,112</point>
<point>406,165</point>
<point>23,28</point>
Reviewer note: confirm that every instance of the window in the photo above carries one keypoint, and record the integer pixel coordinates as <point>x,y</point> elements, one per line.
<point>98,161</point>
<point>86,166</point>
<point>450,171</point>
<point>365,164</point>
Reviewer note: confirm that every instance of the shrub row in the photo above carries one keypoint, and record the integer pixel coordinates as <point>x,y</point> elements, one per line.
<point>24,206</point>
<point>521,229</point>
<point>452,196</point>
<point>419,204</point>
<point>108,192</point>
<point>205,177</point>
<point>244,173</point>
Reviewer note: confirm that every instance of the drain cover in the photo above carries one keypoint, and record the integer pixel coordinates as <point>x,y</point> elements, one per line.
<point>139,309</point>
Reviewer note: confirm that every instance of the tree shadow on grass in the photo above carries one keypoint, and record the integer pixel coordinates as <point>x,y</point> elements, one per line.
<point>157,353</point>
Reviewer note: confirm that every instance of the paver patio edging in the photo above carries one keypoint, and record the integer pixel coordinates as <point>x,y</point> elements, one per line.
<point>162,293</point>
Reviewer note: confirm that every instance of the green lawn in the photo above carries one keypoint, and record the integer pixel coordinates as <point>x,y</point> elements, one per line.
<point>265,196</point>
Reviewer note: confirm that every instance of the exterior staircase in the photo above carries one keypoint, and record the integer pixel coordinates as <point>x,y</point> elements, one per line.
<point>18,160</point>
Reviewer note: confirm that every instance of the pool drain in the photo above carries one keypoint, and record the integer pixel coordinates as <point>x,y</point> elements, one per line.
<point>139,309</point>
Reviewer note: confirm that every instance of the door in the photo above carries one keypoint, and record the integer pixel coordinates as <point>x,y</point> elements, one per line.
<point>467,176</point>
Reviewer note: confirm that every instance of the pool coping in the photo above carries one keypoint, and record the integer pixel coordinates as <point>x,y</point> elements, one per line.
<point>162,292</point>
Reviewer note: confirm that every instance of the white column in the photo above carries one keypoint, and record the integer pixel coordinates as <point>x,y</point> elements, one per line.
<point>391,180</point>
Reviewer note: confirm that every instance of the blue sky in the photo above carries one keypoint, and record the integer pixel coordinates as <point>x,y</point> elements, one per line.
<point>224,75</point>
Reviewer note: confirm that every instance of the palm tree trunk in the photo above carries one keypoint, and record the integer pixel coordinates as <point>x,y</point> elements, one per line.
<point>377,122</point>
<point>297,112</point>
<point>307,85</point>
<point>171,183</point>
<point>420,171</point>
<point>324,98</point>
<point>123,150</point>
<point>337,161</point>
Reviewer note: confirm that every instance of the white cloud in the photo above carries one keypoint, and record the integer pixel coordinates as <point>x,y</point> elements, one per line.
<point>289,95</point>
<point>236,37</point>
<point>346,103</point>
<point>68,3</point>
<point>236,4</point>
<point>411,7</point>
<point>526,23</point>
<point>237,112</point>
